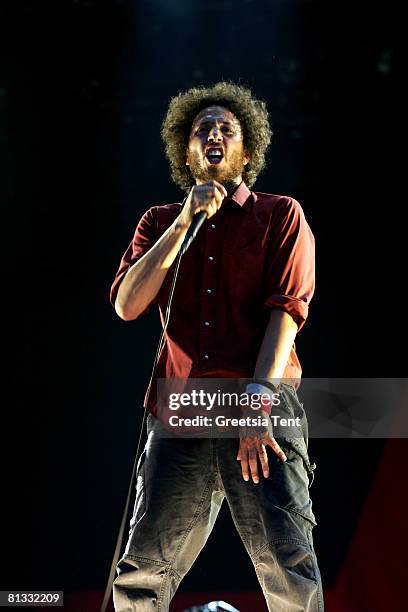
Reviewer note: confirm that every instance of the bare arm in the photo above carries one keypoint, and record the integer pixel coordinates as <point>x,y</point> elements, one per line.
<point>272,359</point>
<point>276,345</point>
<point>143,280</point>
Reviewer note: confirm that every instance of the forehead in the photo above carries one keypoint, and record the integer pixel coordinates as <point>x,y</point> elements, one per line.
<point>215,113</point>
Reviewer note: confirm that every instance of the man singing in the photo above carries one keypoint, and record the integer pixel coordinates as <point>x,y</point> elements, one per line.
<point>242,294</point>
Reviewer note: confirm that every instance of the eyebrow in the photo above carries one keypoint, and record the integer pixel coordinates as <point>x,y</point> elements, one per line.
<point>204,122</point>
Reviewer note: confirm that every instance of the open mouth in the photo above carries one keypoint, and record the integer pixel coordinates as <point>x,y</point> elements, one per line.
<point>214,155</point>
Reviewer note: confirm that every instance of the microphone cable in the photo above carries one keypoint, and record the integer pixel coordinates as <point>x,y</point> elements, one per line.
<point>196,223</point>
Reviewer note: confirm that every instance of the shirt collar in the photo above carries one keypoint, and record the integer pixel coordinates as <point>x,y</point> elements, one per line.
<point>242,197</point>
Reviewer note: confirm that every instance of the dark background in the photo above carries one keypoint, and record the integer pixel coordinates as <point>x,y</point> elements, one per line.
<point>84,87</point>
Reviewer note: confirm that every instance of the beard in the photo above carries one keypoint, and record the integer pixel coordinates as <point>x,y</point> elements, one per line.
<point>227,176</point>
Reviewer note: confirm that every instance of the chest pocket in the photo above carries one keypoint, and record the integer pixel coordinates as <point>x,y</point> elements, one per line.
<point>243,234</point>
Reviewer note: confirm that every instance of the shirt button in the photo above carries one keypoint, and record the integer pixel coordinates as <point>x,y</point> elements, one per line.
<point>209,290</point>
<point>211,258</point>
<point>206,323</point>
<point>213,225</point>
<point>206,356</point>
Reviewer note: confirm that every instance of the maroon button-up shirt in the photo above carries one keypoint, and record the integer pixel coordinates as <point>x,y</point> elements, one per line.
<point>254,254</point>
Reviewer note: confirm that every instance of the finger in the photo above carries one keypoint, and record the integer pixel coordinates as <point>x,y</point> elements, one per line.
<point>276,448</point>
<point>208,197</point>
<point>253,464</point>
<point>244,469</point>
<point>208,207</point>
<point>212,209</point>
<point>203,198</point>
<point>221,188</point>
<point>211,195</point>
<point>218,197</point>
<point>208,203</point>
<point>263,458</point>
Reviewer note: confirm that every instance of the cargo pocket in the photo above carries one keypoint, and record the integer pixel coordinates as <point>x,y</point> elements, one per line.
<point>299,446</point>
<point>298,441</point>
<point>291,480</point>
<point>291,407</point>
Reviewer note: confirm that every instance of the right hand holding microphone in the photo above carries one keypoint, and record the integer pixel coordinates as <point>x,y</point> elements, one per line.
<point>207,197</point>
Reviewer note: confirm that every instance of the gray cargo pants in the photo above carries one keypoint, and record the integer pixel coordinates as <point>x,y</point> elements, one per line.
<point>181,484</point>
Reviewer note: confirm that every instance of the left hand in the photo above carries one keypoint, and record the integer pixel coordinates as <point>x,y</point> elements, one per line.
<point>253,443</point>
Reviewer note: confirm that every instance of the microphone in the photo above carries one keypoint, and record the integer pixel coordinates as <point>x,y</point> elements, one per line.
<point>192,231</point>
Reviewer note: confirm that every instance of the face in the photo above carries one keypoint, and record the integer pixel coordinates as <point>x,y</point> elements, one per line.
<point>216,147</point>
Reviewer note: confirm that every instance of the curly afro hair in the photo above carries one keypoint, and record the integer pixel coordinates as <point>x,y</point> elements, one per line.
<point>183,108</point>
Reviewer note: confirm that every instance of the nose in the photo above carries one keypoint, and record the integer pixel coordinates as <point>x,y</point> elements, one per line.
<point>214,135</point>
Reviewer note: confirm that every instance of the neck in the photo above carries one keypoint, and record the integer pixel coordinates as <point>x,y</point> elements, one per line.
<point>229,185</point>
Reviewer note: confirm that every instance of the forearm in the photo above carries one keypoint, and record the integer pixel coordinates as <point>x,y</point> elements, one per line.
<point>276,346</point>
<point>143,280</point>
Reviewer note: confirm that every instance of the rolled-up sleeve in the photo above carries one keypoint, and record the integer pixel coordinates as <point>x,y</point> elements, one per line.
<point>290,268</point>
<point>144,238</point>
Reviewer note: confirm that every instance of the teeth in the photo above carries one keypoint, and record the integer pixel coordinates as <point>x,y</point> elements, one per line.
<point>215,152</point>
